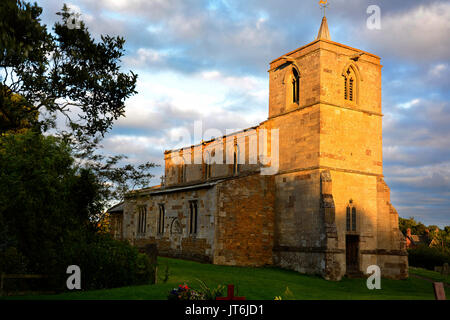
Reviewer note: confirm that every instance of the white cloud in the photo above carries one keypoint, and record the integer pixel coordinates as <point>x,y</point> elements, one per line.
<point>409,104</point>
<point>439,70</point>
<point>420,33</point>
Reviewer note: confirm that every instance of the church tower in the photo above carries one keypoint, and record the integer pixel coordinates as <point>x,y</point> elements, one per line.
<point>333,214</point>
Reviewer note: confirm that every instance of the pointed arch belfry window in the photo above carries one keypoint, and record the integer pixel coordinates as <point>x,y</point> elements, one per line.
<point>350,84</point>
<point>295,86</point>
<point>291,83</point>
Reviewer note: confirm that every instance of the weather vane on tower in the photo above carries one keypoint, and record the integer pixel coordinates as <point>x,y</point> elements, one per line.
<point>324,4</point>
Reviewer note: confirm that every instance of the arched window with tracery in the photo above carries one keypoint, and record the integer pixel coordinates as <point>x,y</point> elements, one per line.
<point>350,85</point>
<point>291,83</point>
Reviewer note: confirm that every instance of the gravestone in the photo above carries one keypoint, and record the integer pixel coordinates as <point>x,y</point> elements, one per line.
<point>439,291</point>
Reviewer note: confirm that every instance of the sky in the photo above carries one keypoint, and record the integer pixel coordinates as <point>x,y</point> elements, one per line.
<point>207,60</point>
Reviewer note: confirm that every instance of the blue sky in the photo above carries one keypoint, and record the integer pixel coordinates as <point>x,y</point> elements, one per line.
<point>208,60</point>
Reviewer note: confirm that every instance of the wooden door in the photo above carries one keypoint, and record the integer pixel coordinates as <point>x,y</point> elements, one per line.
<point>352,253</point>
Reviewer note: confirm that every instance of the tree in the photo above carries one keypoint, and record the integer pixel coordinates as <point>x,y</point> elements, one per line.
<point>41,199</point>
<point>54,182</point>
<point>405,224</point>
<point>67,74</point>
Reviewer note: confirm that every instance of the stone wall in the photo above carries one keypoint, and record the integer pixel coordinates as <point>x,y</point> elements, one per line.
<point>299,227</point>
<point>213,159</point>
<point>115,227</point>
<point>306,60</point>
<point>176,241</point>
<point>391,245</point>
<point>245,221</point>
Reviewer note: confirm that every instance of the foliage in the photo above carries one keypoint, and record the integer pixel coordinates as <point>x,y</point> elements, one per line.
<point>108,263</point>
<point>416,227</point>
<point>15,115</point>
<point>41,199</point>
<point>48,216</point>
<point>287,295</point>
<point>63,72</point>
<point>12,261</point>
<point>183,292</point>
<point>104,224</point>
<point>55,185</point>
<point>437,237</point>
<point>426,257</point>
<point>67,74</point>
<point>166,274</point>
<point>211,294</point>
<point>116,180</point>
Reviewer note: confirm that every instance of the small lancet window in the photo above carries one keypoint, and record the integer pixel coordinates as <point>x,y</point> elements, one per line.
<point>348,219</point>
<point>351,217</point>
<point>193,216</point>
<point>142,220</point>
<point>161,219</point>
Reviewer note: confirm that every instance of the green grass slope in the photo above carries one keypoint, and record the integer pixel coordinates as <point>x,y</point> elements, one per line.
<point>258,284</point>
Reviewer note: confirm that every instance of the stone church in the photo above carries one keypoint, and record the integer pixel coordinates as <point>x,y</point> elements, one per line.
<point>326,209</point>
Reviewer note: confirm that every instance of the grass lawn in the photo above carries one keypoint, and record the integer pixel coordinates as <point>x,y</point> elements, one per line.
<point>260,284</point>
<point>430,275</point>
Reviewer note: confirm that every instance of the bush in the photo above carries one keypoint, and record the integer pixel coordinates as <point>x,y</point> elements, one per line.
<point>108,263</point>
<point>428,258</point>
<point>48,207</point>
<point>12,261</point>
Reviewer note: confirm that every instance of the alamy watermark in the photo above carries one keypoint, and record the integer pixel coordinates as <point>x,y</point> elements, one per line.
<point>74,20</point>
<point>374,280</point>
<point>374,20</point>
<point>74,280</point>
